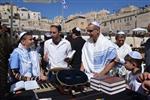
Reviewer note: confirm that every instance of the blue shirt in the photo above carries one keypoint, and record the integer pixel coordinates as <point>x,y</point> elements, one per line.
<point>20,59</point>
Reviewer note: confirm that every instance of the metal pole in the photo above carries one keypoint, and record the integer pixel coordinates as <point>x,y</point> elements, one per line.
<point>62,18</point>
<point>11,18</point>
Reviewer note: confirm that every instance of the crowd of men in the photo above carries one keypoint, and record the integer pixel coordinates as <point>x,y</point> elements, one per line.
<point>97,56</point>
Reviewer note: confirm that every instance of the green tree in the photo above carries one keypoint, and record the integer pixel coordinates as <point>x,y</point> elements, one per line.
<point>6,47</point>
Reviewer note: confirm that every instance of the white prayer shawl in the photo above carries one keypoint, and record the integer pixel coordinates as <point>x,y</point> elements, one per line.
<point>25,65</point>
<point>123,51</point>
<point>95,56</point>
<point>35,60</point>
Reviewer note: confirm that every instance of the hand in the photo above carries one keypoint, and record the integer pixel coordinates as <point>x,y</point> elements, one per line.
<point>146,85</point>
<point>43,78</point>
<point>18,92</point>
<point>97,74</point>
<point>117,60</point>
<point>82,68</point>
<point>144,76</point>
<point>68,60</point>
<point>28,78</point>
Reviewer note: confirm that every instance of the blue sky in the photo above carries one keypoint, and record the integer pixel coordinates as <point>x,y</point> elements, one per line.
<point>50,10</point>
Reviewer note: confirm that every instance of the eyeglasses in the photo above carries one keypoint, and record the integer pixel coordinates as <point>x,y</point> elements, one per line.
<point>90,31</point>
<point>53,32</point>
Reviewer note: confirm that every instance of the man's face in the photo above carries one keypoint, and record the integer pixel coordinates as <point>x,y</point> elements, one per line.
<point>120,39</point>
<point>92,32</point>
<point>54,32</point>
<point>73,35</point>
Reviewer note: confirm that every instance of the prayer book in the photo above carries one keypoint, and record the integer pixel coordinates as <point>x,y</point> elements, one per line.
<point>26,85</point>
<point>113,92</point>
<point>70,54</point>
<point>114,88</point>
<point>108,84</point>
<point>112,81</point>
<point>98,79</point>
<point>95,88</point>
<point>108,88</point>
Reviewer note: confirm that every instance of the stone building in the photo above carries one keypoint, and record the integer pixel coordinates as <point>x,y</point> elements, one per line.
<point>76,21</point>
<point>23,19</point>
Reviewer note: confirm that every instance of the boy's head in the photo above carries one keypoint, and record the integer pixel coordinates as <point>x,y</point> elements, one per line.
<point>25,38</point>
<point>133,60</point>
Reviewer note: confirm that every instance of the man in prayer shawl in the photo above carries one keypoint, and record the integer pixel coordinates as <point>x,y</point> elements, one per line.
<point>98,53</point>
<point>122,50</point>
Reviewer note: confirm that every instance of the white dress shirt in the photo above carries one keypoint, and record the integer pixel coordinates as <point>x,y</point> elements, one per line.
<point>57,53</point>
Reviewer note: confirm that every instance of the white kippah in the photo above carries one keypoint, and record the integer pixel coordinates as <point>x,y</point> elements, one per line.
<point>120,33</point>
<point>78,29</point>
<point>135,55</point>
<point>95,23</point>
<point>22,34</point>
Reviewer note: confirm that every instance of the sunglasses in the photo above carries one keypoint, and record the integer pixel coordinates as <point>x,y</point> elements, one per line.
<point>90,31</point>
<point>53,32</point>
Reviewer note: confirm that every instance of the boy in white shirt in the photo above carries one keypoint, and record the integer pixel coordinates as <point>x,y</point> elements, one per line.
<point>133,61</point>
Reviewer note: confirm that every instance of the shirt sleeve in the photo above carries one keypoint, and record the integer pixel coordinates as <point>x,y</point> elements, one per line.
<point>112,53</point>
<point>45,47</point>
<point>14,61</point>
<point>69,49</point>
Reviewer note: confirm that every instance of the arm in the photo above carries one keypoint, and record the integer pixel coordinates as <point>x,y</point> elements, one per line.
<point>15,66</point>
<point>143,77</point>
<point>42,76</point>
<point>69,49</point>
<point>16,74</point>
<point>69,54</point>
<point>146,85</point>
<point>45,57</point>
<point>111,57</point>
<point>107,68</point>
